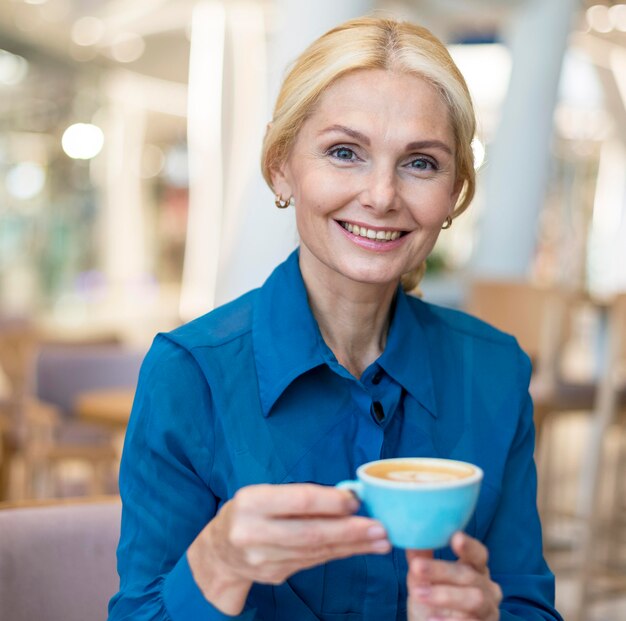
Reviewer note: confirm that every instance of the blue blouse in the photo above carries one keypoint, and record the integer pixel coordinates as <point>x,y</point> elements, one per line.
<point>250,393</point>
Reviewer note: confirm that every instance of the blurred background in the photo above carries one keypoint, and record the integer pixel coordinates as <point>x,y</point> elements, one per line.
<point>131,200</point>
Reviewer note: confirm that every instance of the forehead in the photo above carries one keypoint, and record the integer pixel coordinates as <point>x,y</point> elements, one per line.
<point>379,100</point>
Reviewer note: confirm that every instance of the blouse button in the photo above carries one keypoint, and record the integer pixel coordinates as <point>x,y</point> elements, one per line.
<point>378,412</point>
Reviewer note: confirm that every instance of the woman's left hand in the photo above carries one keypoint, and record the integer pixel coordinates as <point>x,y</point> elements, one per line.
<point>462,589</point>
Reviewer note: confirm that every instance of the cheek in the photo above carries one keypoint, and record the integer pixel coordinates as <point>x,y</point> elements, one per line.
<point>324,188</point>
<point>431,208</point>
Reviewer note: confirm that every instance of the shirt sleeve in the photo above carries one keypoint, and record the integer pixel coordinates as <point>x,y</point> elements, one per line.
<point>514,536</point>
<point>166,499</point>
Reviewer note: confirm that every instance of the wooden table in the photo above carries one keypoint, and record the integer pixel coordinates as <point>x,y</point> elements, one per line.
<point>109,407</point>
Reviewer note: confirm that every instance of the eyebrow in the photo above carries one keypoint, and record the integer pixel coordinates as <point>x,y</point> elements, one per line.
<point>429,144</point>
<point>411,146</point>
<point>353,133</point>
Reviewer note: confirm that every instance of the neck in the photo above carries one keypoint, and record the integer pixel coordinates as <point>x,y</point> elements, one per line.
<point>353,317</point>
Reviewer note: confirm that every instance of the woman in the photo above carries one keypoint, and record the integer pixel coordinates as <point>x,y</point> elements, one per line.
<point>245,418</point>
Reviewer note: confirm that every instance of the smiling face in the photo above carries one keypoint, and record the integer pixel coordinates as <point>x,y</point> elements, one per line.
<point>372,173</point>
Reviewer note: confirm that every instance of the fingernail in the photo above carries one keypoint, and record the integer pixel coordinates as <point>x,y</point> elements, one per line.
<point>381,545</point>
<point>376,532</point>
<point>353,503</point>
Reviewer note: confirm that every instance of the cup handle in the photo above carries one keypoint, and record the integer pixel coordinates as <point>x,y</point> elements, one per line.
<point>356,487</point>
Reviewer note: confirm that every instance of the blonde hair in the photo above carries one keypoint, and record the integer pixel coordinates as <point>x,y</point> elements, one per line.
<point>373,43</point>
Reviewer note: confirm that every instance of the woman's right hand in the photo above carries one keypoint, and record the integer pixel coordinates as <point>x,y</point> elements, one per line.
<point>266,533</point>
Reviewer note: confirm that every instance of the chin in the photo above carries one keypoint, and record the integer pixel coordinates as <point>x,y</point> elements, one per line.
<point>374,278</point>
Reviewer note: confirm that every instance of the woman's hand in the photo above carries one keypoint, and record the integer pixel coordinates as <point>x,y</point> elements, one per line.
<point>453,590</point>
<point>266,533</point>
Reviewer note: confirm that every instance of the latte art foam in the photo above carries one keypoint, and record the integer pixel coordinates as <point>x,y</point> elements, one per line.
<point>423,476</point>
<point>407,471</point>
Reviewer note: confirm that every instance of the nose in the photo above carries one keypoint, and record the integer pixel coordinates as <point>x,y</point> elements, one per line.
<point>380,191</point>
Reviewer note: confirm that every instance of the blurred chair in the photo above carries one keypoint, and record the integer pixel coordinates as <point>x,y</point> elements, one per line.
<point>18,340</point>
<point>57,561</point>
<point>541,320</point>
<point>605,530</point>
<point>61,374</point>
<point>37,429</point>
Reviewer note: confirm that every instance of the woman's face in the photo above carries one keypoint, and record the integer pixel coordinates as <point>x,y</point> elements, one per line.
<point>372,173</point>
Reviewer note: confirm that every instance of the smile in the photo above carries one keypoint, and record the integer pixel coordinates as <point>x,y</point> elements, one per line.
<point>378,235</point>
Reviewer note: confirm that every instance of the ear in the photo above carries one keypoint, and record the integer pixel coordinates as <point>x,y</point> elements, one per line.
<point>281,180</point>
<point>456,192</point>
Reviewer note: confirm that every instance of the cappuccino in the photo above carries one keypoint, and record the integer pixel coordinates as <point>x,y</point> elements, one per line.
<point>415,472</point>
<point>421,501</point>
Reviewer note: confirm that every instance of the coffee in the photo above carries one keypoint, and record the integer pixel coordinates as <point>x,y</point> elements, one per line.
<point>414,472</point>
<point>421,501</point>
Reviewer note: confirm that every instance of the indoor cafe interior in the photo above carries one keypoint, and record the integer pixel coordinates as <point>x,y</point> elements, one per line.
<point>131,201</point>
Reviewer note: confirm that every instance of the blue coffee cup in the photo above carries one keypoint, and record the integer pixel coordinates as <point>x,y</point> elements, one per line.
<point>421,502</point>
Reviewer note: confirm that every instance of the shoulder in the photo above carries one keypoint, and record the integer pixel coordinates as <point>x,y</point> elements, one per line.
<point>180,356</point>
<point>218,327</point>
<point>457,328</point>
<point>459,322</point>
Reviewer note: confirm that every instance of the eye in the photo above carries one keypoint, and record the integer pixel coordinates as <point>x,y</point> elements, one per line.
<point>342,153</point>
<point>423,163</point>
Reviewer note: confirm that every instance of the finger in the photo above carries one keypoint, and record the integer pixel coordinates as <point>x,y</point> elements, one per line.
<point>307,533</point>
<point>332,553</point>
<point>431,571</point>
<point>441,614</point>
<point>412,578</point>
<point>470,551</point>
<point>261,556</point>
<point>298,499</point>
<point>417,611</point>
<point>469,601</point>
<point>411,554</point>
<point>273,565</point>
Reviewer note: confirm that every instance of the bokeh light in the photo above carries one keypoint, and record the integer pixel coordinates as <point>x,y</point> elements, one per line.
<point>13,68</point>
<point>82,141</point>
<point>25,180</point>
<point>598,18</point>
<point>617,15</point>
<point>87,31</point>
<point>127,47</point>
<point>152,161</point>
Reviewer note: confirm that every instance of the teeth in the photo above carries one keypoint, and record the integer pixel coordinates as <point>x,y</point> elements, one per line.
<point>361,231</point>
